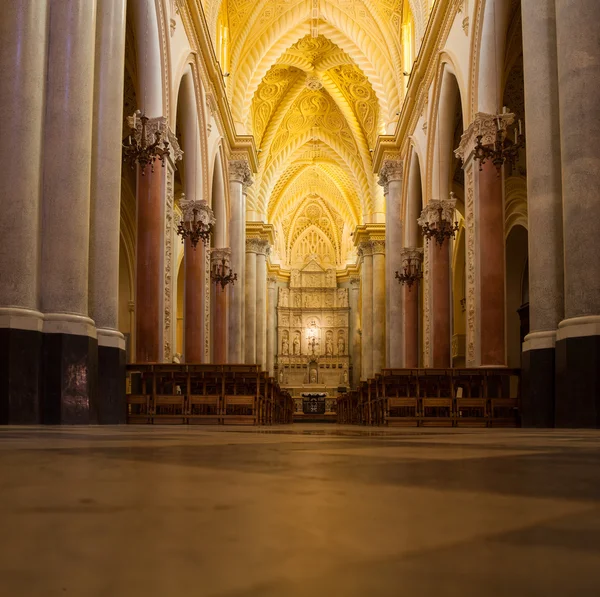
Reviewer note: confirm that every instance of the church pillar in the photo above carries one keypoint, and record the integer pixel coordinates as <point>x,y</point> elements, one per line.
<point>485,246</point>
<point>439,260</point>
<point>239,176</point>
<point>544,208</point>
<point>379,331</point>
<point>250,300</point>
<point>23,31</point>
<point>219,317</point>
<point>261,304</point>
<point>390,177</point>
<point>411,310</point>
<point>578,336</point>
<point>271,325</point>
<point>105,209</point>
<point>366,252</point>
<point>355,337</point>
<point>195,264</point>
<point>70,342</point>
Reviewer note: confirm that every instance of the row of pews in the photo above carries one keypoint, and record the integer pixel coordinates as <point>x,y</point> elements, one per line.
<point>484,397</point>
<point>205,394</point>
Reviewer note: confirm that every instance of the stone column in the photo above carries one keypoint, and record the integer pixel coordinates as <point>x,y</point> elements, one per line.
<point>252,247</point>
<point>544,208</point>
<point>193,335</point>
<point>355,332</point>
<point>365,250</point>
<point>411,310</point>
<point>391,177</point>
<point>261,304</point>
<point>219,306</point>
<point>378,305</point>
<point>23,58</point>
<point>271,325</point>
<point>578,337</point>
<point>485,246</point>
<point>154,247</point>
<point>106,209</point>
<point>70,343</point>
<point>239,176</point>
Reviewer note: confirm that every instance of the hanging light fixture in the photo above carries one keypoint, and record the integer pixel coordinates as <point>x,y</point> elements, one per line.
<point>411,266</point>
<point>197,221</point>
<point>137,149</point>
<point>223,274</point>
<point>503,149</point>
<point>436,219</point>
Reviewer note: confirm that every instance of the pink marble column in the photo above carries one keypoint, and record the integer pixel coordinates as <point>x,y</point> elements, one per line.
<point>491,255</point>
<point>440,303</point>
<point>219,309</point>
<point>148,267</point>
<point>194,263</point>
<point>411,326</point>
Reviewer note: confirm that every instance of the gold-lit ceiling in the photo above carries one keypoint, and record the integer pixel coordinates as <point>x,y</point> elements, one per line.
<point>315,82</point>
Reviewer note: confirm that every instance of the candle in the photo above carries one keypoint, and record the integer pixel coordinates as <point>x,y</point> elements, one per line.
<point>520,128</point>
<point>515,136</point>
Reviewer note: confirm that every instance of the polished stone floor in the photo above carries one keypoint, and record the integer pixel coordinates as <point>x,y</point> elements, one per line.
<point>298,511</point>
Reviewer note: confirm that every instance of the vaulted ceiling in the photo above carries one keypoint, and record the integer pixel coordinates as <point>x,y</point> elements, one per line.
<point>315,82</point>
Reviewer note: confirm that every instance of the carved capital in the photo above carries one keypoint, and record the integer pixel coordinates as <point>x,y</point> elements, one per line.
<point>485,125</point>
<point>239,171</point>
<point>431,213</point>
<point>414,254</point>
<point>391,171</point>
<point>378,247</point>
<point>193,210</point>
<point>271,282</point>
<point>355,283</point>
<point>217,256</point>
<point>260,246</point>
<point>153,126</point>
<point>365,247</point>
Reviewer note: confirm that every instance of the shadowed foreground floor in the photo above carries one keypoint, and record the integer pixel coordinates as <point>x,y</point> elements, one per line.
<point>306,510</point>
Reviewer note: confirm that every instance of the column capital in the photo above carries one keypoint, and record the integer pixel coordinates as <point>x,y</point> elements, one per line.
<point>484,125</point>
<point>392,170</point>
<point>271,282</point>
<point>378,247</point>
<point>260,246</point>
<point>158,125</point>
<point>415,254</point>
<point>355,283</point>
<point>218,255</point>
<point>239,171</point>
<point>365,247</point>
<point>431,212</point>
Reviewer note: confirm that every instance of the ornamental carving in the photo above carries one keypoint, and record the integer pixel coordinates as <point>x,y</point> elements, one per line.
<point>168,266</point>
<point>485,125</point>
<point>365,248</point>
<point>470,265</point>
<point>239,171</point>
<point>378,247</point>
<point>431,213</point>
<point>217,256</point>
<point>391,171</point>
<point>260,246</point>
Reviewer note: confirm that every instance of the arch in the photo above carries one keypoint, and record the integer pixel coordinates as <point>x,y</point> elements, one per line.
<point>413,203</point>
<point>219,201</point>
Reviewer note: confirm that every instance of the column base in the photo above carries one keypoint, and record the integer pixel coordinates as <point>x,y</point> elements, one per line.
<point>111,402</point>
<point>578,373</point>
<point>70,371</point>
<point>20,376</point>
<point>537,387</point>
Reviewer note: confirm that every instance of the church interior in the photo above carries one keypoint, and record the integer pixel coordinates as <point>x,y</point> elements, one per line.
<point>267,263</point>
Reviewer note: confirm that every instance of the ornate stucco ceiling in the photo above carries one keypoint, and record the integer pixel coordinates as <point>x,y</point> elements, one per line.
<point>315,82</point>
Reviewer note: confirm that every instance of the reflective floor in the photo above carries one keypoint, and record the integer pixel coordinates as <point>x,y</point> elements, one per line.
<point>303,510</point>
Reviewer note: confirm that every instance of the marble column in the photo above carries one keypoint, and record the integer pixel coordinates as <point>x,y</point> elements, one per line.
<point>252,246</point>
<point>379,332</point>
<point>261,304</point>
<point>578,336</point>
<point>219,317</point>
<point>271,325</point>
<point>106,209</point>
<point>239,176</point>
<point>391,177</point>
<point>544,209</point>
<point>439,259</point>
<point>194,263</point>
<point>411,306</point>
<point>485,246</point>
<point>366,253</point>
<point>355,331</point>
<point>23,58</point>
<point>70,343</point>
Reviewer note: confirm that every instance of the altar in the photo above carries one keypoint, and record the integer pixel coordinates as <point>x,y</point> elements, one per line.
<point>313,318</point>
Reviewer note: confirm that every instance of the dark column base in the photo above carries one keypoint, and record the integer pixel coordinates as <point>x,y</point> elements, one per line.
<point>537,388</point>
<point>70,366</point>
<point>111,407</point>
<point>20,352</point>
<point>578,382</point>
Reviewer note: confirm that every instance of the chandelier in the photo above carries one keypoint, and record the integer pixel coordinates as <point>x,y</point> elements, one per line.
<point>140,151</point>
<point>411,266</point>
<point>436,219</point>
<point>222,274</point>
<point>197,221</point>
<point>502,149</point>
